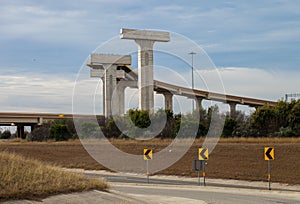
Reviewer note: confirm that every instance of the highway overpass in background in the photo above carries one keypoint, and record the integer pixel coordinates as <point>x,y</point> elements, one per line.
<point>116,74</point>
<point>20,120</point>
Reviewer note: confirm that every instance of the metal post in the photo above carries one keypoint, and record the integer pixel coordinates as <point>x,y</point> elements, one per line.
<point>199,176</point>
<point>147,162</point>
<point>204,162</point>
<point>269,174</point>
<point>192,53</point>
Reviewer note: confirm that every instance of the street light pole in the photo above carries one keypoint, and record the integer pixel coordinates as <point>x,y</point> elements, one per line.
<point>192,54</point>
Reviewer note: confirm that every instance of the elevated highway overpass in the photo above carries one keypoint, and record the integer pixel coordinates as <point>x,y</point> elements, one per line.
<point>20,120</point>
<point>117,74</point>
<point>128,77</point>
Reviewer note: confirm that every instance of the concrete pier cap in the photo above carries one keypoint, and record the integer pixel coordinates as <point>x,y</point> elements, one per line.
<point>133,34</point>
<point>97,60</point>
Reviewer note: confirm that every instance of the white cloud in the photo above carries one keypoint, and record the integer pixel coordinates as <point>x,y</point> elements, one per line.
<point>260,27</point>
<point>52,93</point>
<point>257,83</point>
<point>41,93</point>
<point>42,24</point>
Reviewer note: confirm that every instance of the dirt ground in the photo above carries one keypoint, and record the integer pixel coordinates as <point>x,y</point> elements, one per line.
<point>240,159</point>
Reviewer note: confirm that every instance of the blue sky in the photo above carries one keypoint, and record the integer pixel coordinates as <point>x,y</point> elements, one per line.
<point>254,44</point>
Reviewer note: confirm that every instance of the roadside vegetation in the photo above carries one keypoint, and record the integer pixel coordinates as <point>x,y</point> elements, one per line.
<point>282,120</point>
<point>23,178</point>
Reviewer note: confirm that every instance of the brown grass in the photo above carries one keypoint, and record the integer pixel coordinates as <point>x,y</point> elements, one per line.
<point>22,178</point>
<point>261,140</point>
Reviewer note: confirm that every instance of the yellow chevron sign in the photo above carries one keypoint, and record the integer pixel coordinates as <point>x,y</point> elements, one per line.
<point>269,153</point>
<point>203,153</point>
<point>147,154</point>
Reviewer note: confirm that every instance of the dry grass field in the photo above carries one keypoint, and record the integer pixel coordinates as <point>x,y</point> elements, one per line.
<point>231,159</point>
<point>22,178</point>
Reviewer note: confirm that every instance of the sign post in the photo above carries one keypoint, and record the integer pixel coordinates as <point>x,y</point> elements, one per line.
<point>203,157</point>
<point>147,157</point>
<point>269,155</point>
<point>197,166</point>
<point>147,163</point>
<point>203,172</point>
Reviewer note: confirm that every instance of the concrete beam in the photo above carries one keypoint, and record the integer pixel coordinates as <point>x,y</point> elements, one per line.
<point>133,34</point>
<point>130,84</point>
<point>99,59</point>
<point>16,119</point>
<point>97,73</point>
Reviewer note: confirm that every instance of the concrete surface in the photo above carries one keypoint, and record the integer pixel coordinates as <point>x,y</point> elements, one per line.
<point>114,197</point>
<point>209,195</point>
<point>83,197</point>
<point>185,181</point>
<point>170,192</point>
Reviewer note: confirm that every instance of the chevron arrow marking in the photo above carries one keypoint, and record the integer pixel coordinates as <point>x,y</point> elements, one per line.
<point>203,153</point>
<point>147,154</point>
<point>269,153</point>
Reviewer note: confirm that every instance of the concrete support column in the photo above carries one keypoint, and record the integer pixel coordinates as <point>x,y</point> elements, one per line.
<point>103,94</point>
<point>145,40</point>
<point>121,94</point>
<point>110,78</point>
<point>20,131</point>
<point>40,121</point>
<point>168,101</point>
<point>255,107</point>
<point>232,109</point>
<point>199,103</point>
<point>105,66</point>
<point>145,74</point>
<point>32,127</point>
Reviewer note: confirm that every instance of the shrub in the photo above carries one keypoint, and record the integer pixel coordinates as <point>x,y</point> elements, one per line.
<point>229,127</point>
<point>59,132</point>
<point>40,133</point>
<point>89,130</point>
<point>5,135</point>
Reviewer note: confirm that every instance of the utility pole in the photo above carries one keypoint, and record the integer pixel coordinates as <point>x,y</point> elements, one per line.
<point>192,54</point>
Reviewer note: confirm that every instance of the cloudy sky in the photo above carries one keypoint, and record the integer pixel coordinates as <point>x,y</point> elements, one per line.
<point>255,45</point>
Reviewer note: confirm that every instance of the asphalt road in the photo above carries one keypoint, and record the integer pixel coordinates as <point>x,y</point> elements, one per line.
<point>128,179</point>
<point>211,195</point>
<point>172,189</point>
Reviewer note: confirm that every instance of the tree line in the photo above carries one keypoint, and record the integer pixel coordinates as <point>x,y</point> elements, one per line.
<point>281,120</point>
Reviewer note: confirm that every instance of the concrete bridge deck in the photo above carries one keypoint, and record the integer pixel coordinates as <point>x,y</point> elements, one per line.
<point>20,120</point>
<point>226,98</point>
<point>7,118</point>
<point>129,78</point>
